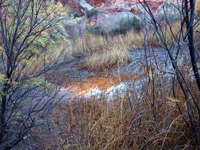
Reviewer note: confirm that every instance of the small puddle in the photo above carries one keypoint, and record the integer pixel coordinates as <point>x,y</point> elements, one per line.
<point>79,88</point>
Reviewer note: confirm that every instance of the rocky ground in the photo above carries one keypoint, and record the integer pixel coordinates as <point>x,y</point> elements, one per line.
<point>103,16</point>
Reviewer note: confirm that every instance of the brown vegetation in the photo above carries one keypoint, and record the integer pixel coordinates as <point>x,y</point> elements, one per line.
<point>104,51</point>
<point>152,123</point>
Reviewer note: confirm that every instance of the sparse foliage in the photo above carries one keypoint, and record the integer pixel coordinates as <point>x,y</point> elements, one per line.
<point>28,29</point>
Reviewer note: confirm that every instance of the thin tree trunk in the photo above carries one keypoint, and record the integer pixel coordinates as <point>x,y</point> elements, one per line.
<point>189,24</point>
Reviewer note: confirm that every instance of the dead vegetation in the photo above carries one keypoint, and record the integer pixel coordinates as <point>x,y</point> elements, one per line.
<point>104,51</point>
<point>152,123</point>
<point>155,122</point>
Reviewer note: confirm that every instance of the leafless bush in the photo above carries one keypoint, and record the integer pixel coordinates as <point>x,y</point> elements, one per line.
<point>26,96</point>
<point>183,36</point>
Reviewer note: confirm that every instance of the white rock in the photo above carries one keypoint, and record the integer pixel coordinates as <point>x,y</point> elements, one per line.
<point>114,22</point>
<point>85,5</point>
<point>95,92</point>
<point>115,91</point>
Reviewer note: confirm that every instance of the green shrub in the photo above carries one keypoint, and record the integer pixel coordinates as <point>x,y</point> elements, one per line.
<point>91,13</point>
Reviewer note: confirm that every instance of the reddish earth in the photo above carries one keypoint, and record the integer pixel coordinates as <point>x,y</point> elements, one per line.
<point>79,88</point>
<point>75,4</point>
<point>97,3</point>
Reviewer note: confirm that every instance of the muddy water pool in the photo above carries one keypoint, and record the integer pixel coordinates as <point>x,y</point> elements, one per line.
<point>81,83</point>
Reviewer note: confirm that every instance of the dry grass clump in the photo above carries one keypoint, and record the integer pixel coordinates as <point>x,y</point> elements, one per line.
<point>135,40</point>
<point>115,52</point>
<point>103,51</point>
<point>197,8</point>
<point>197,37</point>
<point>170,33</point>
<point>152,123</point>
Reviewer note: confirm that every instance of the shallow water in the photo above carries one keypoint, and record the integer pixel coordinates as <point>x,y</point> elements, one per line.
<point>119,82</point>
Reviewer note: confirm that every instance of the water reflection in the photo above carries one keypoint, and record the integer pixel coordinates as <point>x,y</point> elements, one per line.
<point>79,88</point>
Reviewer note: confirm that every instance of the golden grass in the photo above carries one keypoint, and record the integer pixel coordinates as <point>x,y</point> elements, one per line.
<point>170,34</point>
<point>197,8</point>
<point>104,51</point>
<point>197,37</point>
<point>153,123</point>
